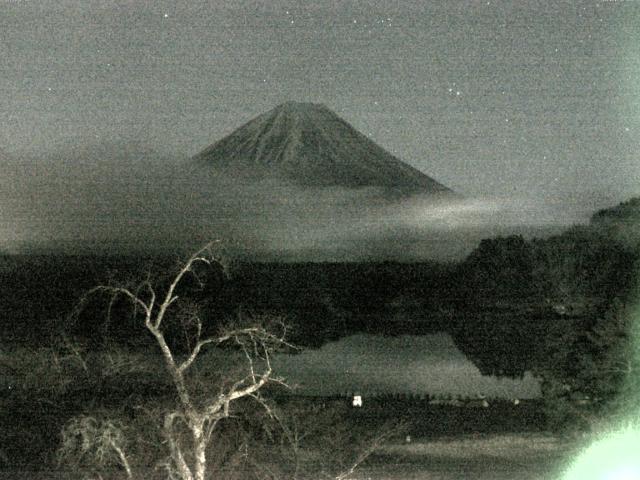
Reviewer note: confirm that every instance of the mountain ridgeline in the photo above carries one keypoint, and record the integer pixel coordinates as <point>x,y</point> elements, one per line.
<point>309,145</point>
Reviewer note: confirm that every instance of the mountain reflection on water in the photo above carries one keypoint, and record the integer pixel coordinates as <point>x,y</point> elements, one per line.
<point>370,364</point>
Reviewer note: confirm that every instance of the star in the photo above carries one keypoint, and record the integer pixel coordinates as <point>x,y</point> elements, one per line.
<point>166,15</point>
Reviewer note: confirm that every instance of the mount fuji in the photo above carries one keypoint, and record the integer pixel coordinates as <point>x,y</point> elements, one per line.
<point>308,145</point>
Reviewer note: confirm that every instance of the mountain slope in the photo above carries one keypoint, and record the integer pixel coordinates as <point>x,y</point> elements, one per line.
<point>309,145</point>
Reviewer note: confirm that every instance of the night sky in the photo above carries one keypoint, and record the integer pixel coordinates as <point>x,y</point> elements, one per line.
<point>524,99</point>
<point>516,105</point>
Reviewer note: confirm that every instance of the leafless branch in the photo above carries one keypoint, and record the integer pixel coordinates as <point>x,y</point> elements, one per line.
<point>198,419</point>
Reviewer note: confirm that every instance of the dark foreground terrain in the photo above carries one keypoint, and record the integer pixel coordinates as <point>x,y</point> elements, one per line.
<point>480,457</point>
<point>42,389</point>
<point>560,308</point>
<point>483,457</point>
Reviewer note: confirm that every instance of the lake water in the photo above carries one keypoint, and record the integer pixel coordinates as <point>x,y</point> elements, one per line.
<point>369,364</point>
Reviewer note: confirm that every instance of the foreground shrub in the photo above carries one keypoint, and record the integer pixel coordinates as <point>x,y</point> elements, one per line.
<point>92,441</point>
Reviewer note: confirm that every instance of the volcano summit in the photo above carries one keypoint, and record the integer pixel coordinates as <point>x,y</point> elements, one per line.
<point>309,145</point>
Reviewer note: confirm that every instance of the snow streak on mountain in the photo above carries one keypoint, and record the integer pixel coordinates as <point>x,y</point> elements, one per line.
<point>309,145</point>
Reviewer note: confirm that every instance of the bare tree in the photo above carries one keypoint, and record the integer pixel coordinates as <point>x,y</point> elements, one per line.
<point>104,440</point>
<point>189,426</point>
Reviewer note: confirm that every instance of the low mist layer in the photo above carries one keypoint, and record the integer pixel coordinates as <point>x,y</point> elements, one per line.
<point>125,197</point>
